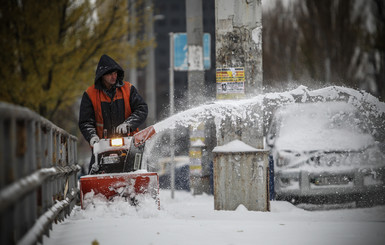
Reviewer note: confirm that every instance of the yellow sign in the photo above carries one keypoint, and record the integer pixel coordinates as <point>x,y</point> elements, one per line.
<point>230,83</point>
<point>230,75</point>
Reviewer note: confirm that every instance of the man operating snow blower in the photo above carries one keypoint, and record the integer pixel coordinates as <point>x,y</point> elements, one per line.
<point>111,111</point>
<point>110,104</point>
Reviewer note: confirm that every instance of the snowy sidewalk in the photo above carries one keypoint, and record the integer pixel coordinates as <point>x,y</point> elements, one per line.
<point>191,219</point>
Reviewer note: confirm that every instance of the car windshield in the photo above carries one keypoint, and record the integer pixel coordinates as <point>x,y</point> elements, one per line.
<point>326,126</point>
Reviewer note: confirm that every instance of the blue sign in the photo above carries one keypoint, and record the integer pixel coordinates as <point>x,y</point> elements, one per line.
<point>180,51</point>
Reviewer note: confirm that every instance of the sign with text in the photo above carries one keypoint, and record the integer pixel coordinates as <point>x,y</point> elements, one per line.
<point>230,82</point>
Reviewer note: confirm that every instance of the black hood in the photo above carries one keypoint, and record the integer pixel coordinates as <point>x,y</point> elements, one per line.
<point>107,64</point>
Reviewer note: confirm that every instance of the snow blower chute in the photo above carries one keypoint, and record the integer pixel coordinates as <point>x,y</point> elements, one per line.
<point>118,170</point>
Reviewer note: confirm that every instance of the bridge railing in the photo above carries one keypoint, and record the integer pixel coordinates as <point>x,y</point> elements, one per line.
<point>38,175</point>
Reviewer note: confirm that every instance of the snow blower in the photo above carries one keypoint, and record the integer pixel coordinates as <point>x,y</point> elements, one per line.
<point>118,170</point>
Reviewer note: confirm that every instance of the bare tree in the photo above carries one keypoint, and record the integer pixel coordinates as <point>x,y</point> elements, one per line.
<point>280,47</point>
<point>50,49</point>
<point>318,43</point>
<point>378,50</point>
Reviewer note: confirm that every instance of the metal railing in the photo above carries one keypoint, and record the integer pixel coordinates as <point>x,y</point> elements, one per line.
<point>38,175</point>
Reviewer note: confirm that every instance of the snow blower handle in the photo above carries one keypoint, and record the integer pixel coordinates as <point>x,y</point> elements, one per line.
<point>123,129</point>
<point>142,136</point>
<point>128,129</point>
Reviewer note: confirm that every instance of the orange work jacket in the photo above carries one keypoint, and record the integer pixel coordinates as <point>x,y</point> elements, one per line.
<point>97,96</point>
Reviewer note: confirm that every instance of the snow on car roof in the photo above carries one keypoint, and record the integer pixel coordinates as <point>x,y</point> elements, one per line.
<point>321,126</point>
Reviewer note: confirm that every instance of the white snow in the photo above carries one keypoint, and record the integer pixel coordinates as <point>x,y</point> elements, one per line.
<point>235,146</point>
<point>370,108</point>
<point>189,219</point>
<point>323,126</point>
<point>223,109</point>
<point>198,143</point>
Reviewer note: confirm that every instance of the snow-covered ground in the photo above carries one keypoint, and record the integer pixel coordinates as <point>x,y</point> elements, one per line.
<point>189,219</point>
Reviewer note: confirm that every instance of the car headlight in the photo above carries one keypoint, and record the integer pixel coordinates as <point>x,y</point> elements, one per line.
<point>287,157</point>
<point>329,160</point>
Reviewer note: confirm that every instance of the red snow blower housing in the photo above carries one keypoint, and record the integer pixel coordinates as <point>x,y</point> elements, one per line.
<point>118,170</point>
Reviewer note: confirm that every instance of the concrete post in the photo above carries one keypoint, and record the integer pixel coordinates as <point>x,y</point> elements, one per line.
<point>150,68</point>
<point>195,76</point>
<point>240,177</point>
<point>239,65</point>
<point>197,148</point>
<point>239,41</point>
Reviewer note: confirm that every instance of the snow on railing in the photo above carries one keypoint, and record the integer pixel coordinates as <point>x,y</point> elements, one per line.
<point>38,175</point>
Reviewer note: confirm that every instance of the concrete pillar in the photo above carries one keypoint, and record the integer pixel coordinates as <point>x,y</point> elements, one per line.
<point>240,177</point>
<point>239,42</point>
<point>197,148</point>
<point>195,76</point>
<point>196,83</point>
<point>239,66</point>
<point>150,68</point>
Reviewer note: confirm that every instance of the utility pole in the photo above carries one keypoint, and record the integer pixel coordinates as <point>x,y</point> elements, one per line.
<point>239,72</point>
<point>194,26</point>
<point>196,87</point>
<point>150,68</point>
<point>238,32</point>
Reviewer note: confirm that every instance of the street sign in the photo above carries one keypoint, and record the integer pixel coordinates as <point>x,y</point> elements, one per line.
<point>181,51</point>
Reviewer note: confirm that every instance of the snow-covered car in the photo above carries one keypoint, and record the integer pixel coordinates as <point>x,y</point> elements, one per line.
<point>324,151</point>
